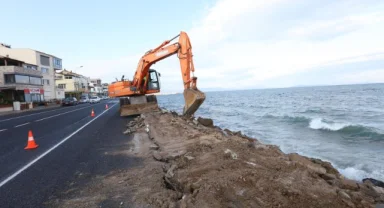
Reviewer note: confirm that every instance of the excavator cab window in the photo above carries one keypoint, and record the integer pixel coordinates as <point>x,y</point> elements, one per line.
<point>153,82</point>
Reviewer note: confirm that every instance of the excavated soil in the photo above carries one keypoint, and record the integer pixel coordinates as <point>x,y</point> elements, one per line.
<point>189,162</point>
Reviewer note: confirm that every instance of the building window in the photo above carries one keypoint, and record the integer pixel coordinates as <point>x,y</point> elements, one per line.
<point>57,63</point>
<point>44,70</point>
<point>9,78</point>
<point>68,77</point>
<point>61,86</point>
<point>35,80</point>
<point>22,79</point>
<point>44,60</point>
<point>30,67</point>
<point>46,81</point>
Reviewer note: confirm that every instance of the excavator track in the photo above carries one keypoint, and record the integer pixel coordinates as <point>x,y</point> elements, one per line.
<point>136,105</point>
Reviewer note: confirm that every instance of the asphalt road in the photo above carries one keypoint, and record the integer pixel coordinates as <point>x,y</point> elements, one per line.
<point>69,140</point>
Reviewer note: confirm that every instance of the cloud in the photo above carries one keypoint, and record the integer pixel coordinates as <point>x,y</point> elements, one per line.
<point>250,43</point>
<point>371,76</point>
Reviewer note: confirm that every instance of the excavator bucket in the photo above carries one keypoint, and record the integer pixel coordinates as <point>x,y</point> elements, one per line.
<point>193,99</point>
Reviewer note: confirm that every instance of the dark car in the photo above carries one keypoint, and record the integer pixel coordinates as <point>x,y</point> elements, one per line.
<point>70,101</point>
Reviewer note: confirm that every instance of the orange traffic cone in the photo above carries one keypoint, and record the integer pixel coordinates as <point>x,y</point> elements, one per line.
<point>106,106</point>
<point>92,113</point>
<point>31,142</point>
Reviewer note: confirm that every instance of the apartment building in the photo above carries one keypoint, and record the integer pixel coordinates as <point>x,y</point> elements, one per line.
<point>73,84</point>
<point>97,88</point>
<point>45,63</point>
<point>105,89</point>
<point>20,81</point>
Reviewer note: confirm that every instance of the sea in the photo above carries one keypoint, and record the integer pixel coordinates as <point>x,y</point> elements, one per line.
<point>341,124</point>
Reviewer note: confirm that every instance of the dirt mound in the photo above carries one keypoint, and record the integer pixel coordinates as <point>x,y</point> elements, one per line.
<point>209,167</point>
<point>189,162</point>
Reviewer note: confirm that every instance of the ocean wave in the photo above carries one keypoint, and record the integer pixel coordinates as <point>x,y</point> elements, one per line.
<point>358,173</point>
<point>318,123</point>
<point>348,129</point>
<point>288,118</point>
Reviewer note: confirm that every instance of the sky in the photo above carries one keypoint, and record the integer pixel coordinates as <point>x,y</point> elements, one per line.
<point>237,44</point>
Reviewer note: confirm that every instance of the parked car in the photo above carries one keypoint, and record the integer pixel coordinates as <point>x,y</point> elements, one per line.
<point>94,99</point>
<point>84,99</point>
<point>69,101</point>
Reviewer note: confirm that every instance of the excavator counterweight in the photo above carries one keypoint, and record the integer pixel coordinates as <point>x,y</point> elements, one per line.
<point>137,96</point>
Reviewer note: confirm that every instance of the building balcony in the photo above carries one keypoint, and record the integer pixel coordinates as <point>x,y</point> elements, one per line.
<point>58,77</point>
<point>20,70</point>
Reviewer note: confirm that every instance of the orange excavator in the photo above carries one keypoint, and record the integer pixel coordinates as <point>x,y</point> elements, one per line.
<point>137,96</point>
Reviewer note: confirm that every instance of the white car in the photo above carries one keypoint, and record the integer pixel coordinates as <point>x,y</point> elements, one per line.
<point>94,99</point>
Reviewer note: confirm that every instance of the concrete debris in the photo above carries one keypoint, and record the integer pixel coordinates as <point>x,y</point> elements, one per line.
<point>154,147</point>
<point>128,131</point>
<point>233,154</point>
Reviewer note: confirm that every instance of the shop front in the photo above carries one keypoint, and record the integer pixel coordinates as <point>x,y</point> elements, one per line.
<point>34,94</point>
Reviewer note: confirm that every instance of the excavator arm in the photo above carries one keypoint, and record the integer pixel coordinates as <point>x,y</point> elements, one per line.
<point>139,84</point>
<point>184,51</point>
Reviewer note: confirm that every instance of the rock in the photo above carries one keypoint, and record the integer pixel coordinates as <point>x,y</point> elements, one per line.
<point>174,113</point>
<point>164,111</point>
<point>349,203</point>
<point>157,156</point>
<point>379,190</point>
<point>228,132</point>
<point>166,167</point>
<point>368,189</point>
<point>128,131</point>
<point>170,173</point>
<point>327,165</point>
<point>131,124</point>
<point>153,147</point>
<point>195,122</point>
<point>174,155</point>
<point>328,176</point>
<point>237,133</point>
<point>189,157</point>
<point>205,121</point>
<point>305,162</point>
<point>343,195</point>
<point>231,153</point>
<point>348,184</point>
<point>196,185</point>
<point>374,182</point>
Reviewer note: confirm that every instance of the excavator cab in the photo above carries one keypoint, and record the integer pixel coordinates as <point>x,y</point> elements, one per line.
<point>154,80</point>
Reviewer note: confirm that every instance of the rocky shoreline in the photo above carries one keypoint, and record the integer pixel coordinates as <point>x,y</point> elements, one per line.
<point>189,162</point>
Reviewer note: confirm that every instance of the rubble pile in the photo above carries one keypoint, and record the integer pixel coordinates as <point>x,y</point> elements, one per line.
<point>190,162</point>
<point>206,166</point>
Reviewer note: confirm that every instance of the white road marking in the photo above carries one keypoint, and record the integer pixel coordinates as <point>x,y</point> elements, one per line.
<point>30,115</point>
<point>60,114</point>
<point>50,150</point>
<point>22,124</point>
<point>3,129</point>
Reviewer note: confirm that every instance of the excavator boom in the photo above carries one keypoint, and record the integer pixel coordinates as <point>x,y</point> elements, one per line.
<point>134,95</point>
